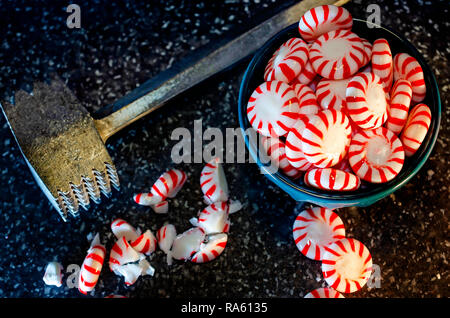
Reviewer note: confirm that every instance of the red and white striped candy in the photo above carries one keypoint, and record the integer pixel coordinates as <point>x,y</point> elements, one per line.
<point>316,228</point>
<point>294,153</point>
<point>161,207</point>
<point>324,293</point>
<point>288,61</point>
<point>382,64</point>
<point>367,51</point>
<point>53,274</point>
<point>213,218</point>
<point>213,182</point>
<point>323,19</point>
<point>366,101</point>
<point>168,185</point>
<point>337,55</point>
<point>212,249</point>
<point>144,199</point>
<point>306,76</point>
<point>398,109</point>
<point>187,244</point>
<point>145,243</point>
<point>376,155</point>
<point>347,265</point>
<point>276,150</point>
<point>406,67</point>
<point>416,128</point>
<point>331,93</point>
<point>273,108</point>
<point>306,99</point>
<point>92,266</point>
<point>122,253</point>
<point>326,138</point>
<point>131,272</point>
<point>165,237</point>
<point>121,228</point>
<point>332,179</point>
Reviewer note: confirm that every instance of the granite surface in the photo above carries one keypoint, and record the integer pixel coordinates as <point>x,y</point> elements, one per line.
<point>123,44</point>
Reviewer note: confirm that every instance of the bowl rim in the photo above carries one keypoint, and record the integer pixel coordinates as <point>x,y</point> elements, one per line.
<point>338,196</point>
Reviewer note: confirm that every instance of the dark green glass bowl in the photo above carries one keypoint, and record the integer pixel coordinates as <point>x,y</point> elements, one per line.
<point>372,192</point>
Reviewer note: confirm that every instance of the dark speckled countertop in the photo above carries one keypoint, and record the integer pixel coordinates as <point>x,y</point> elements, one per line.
<point>123,44</point>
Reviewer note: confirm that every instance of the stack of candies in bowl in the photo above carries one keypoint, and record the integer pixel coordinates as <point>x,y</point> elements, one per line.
<point>336,109</point>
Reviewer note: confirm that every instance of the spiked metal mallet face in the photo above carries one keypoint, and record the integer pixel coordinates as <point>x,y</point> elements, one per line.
<point>64,146</point>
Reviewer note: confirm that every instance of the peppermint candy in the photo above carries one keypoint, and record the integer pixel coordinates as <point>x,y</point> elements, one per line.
<point>212,249</point>
<point>145,243</point>
<point>187,244</point>
<point>213,182</point>
<point>376,155</point>
<point>326,138</point>
<point>276,150</point>
<point>331,93</point>
<point>416,128</point>
<point>122,228</point>
<point>398,109</point>
<point>288,61</point>
<point>122,253</point>
<point>165,237</point>
<point>323,19</point>
<point>382,64</point>
<point>306,76</point>
<point>332,179</point>
<point>306,100</point>
<point>366,101</point>
<point>132,271</point>
<point>294,153</point>
<point>213,219</point>
<point>316,228</point>
<point>53,275</point>
<point>92,266</point>
<point>406,67</point>
<point>273,108</point>
<point>168,185</point>
<point>324,293</point>
<point>337,54</point>
<point>346,265</point>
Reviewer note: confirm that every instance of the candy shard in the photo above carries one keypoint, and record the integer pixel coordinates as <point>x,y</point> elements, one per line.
<point>326,138</point>
<point>416,128</point>
<point>53,275</point>
<point>168,185</point>
<point>235,206</point>
<point>214,217</point>
<point>337,54</point>
<point>316,228</point>
<point>165,237</point>
<point>288,61</point>
<point>161,207</point>
<point>146,243</point>
<point>187,243</point>
<point>212,249</point>
<point>332,179</point>
<point>273,108</point>
<point>366,101</point>
<point>324,293</point>
<point>146,199</point>
<point>213,182</point>
<point>122,228</point>
<point>347,265</point>
<point>376,155</point>
<point>132,271</point>
<point>92,266</point>
<point>122,253</point>
<point>323,19</point>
